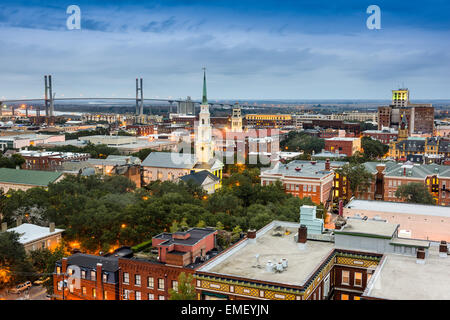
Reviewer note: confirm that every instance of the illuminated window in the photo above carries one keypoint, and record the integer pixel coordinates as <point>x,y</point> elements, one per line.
<point>358,279</point>
<point>138,295</point>
<point>105,295</point>
<point>94,293</point>
<point>345,277</point>
<point>126,277</point>
<point>137,279</point>
<point>356,298</point>
<point>344,297</point>
<point>93,275</point>
<point>160,284</point>
<point>150,282</point>
<point>83,291</point>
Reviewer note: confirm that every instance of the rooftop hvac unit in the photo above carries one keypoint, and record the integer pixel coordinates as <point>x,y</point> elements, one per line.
<point>279,267</point>
<point>284,263</point>
<point>269,266</point>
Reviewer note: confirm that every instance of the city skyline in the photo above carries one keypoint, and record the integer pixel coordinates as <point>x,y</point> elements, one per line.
<point>252,50</point>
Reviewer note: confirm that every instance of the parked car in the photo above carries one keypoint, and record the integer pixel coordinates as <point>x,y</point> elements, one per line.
<point>21,287</point>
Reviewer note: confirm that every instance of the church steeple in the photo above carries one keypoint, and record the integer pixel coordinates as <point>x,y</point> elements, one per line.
<point>204,99</point>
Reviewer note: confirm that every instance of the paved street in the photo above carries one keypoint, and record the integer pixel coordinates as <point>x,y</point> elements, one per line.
<point>34,293</point>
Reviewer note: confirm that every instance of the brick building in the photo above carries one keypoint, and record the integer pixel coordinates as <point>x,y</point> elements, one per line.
<point>349,127</point>
<point>144,275</point>
<point>141,130</point>
<point>387,177</point>
<point>385,136</point>
<point>302,179</point>
<point>347,146</point>
<point>49,161</point>
<point>97,278</point>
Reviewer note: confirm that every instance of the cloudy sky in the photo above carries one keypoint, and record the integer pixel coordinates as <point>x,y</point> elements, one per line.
<point>285,49</point>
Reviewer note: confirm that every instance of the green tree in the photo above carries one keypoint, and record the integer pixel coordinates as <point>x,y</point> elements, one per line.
<point>358,177</point>
<point>415,192</point>
<point>186,288</point>
<point>373,149</point>
<point>14,267</point>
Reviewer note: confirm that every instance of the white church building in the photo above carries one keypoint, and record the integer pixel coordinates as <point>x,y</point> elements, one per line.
<point>169,166</point>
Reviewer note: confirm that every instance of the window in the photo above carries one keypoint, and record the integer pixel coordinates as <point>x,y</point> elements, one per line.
<point>83,274</point>
<point>93,275</point>
<point>137,280</point>
<point>60,285</point>
<point>369,275</point>
<point>126,294</point>
<point>160,284</point>
<point>58,270</point>
<point>175,285</point>
<point>151,296</point>
<point>344,297</point>
<point>304,188</point>
<point>94,293</point>
<point>105,295</point>
<point>71,288</point>
<point>69,272</point>
<point>126,277</point>
<point>356,298</point>
<point>138,295</point>
<point>150,282</point>
<point>358,279</point>
<point>105,277</point>
<point>345,277</point>
<point>83,291</point>
<point>162,298</point>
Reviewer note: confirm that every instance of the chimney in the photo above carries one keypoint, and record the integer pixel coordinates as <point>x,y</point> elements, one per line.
<point>341,208</point>
<point>4,226</point>
<point>327,165</point>
<point>420,256</point>
<point>63,265</point>
<point>52,227</point>
<point>19,221</point>
<point>443,249</point>
<point>99,280</point>
<point>301,236</point>
<point>251,235</point>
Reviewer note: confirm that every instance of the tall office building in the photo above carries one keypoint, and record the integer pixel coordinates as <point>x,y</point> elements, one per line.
<point>400,97</point>
<point>236,119</point>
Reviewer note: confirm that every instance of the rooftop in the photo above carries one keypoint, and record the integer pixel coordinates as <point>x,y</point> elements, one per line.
<point>195,235</point>
<point>400,277</point>
<point>298,168</point>
<point>399,207</point>
<point>368,228</point>
<point>170,160</point>
<point>199,177</point>
<point>241,261</point>
<point>30,232</point>
<point>28,177</point>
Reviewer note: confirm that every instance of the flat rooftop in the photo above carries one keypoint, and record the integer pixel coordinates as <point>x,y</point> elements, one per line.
<point>400,277</point>
<point>301,263</point>
<point>399,207</point>
<point>368,228</point>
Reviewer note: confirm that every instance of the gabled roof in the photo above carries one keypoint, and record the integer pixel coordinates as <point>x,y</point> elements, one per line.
<point>199,177</point>
<point>28,177</point>
<point>170,160</point>
<point>30,232</point>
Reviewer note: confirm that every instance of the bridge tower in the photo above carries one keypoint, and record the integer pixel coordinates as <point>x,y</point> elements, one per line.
<point>49,101</point>
<point>139,100</point>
